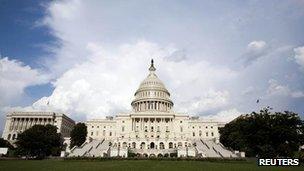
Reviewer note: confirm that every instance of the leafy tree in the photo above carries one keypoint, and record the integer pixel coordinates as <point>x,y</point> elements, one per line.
<point>39,141</point>
<point>78,134</point>
<point>264,134</point>
<point>5,143</point>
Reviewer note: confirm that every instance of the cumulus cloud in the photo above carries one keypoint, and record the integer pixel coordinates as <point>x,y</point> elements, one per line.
<point>206,101</point>
<point>105,83</point>
<point>225,115</point>
<point>97,63</point>
<point>15,77</point>
<point>275,89</point>
<point>254,51</point>
<point>299,56</point>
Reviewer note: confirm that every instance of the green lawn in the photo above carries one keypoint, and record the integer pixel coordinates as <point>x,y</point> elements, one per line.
<point>140,165</point>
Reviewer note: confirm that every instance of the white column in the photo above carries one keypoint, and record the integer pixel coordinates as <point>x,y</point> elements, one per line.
<point>21,125</point>
<point>13,124</point>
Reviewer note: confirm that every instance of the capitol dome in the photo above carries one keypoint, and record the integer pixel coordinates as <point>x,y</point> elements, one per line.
<point>152,94</point>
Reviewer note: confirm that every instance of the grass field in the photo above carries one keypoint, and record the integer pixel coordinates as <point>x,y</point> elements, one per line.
<point>134,165</point>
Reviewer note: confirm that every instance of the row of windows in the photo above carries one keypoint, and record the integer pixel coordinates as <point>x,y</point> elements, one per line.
<point>200,134</point>
<point>148,93</point>
<point>193,127</point>
<point>101,126</point>
<point>152,145</point>
<point>103,133</point>
<point>158,121</point>
<point>151,129</point>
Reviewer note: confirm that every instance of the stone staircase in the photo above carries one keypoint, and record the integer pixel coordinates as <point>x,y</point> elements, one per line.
<point>95,148</point>
<point>208,148</point>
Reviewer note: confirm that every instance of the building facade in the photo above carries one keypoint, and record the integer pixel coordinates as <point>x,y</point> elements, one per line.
<point>152,128</point>
<point>17,122</point>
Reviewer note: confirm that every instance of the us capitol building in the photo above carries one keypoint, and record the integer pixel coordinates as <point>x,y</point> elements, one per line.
<point>152,129</point>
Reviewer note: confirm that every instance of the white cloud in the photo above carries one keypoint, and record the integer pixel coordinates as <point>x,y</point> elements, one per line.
<point>106,82</point>
<point>96,74</point>
<point>225,115</point>
<point>15,77</point>
<point>256,46</point>
<point>254,51</point>
<point>299,56</point>
<point>275,89</point>
<point>205,101</point>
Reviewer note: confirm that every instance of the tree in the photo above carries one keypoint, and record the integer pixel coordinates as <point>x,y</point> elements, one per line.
<point>5,143</point>
<point>78,134</point>
<point>264,134</point>
<point>39,141</point>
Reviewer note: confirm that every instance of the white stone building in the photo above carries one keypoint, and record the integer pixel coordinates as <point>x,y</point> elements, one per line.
<point>17,122</point>
<point>152,128</point>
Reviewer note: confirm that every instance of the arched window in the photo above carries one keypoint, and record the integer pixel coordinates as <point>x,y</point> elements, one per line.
<point>143,145</point>
<point>161,145</point>
<point>14,136</point>
<point>124,144</point>
<point>9,137</point>
<point>170,145</point>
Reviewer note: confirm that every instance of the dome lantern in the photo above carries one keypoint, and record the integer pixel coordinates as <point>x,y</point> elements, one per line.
<point>152,68</point>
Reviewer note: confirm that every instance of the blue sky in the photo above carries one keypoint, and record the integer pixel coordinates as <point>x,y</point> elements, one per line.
<point>22,40</point>
<point>86,58</point>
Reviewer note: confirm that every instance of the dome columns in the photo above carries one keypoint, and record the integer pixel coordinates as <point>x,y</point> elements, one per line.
<point>143,106</point>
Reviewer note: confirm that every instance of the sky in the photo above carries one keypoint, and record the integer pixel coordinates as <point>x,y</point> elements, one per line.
<point>87,58</point>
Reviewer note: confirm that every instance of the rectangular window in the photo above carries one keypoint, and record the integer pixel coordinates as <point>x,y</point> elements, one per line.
<point>123,128</point>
